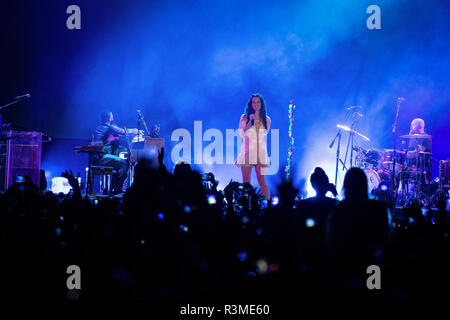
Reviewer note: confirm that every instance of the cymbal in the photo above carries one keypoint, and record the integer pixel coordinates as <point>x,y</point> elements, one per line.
<point>391,163</point>
<point>413,153</point>
<point>374,150</point>
<point>392,150</point>
<point>345,128</point>
<point>415,136</point>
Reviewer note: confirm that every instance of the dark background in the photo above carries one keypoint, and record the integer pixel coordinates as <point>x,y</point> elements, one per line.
<point>181,61</point>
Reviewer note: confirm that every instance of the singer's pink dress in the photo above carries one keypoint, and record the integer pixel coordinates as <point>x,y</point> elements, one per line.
<point>253,147</point>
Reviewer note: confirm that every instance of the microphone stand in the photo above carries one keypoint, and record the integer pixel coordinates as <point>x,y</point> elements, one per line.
<point>338,136</point>
<point>9,104</point>
<point>349,143</point>
<point>338,150</point>
<point>394,133</point>
<point>139,137</point>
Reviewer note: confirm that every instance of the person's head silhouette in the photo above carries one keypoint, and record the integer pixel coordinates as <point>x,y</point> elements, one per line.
<point>182,169</point>
<point>355,184</point>
<point>320,183</point>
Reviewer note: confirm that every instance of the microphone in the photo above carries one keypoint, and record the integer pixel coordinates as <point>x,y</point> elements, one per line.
<point>332,143</point>
<point>401,99</point>
<point>25,96</point>
<point>353,107</point>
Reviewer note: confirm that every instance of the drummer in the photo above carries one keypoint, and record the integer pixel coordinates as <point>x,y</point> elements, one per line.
<point>419,149</point>
<point>422,144</point>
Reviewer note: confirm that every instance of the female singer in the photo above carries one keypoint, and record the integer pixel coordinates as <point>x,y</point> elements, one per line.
<point>253,126</point>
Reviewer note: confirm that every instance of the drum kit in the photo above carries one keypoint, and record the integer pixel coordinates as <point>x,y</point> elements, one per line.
<point>408,172</point>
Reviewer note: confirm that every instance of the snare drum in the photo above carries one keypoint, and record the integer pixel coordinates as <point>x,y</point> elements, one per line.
<point>388,160</point>
<point>373,179</point>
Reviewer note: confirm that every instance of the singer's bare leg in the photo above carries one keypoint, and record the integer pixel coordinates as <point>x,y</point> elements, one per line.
<point>262,182</point>
<point>246,174</point>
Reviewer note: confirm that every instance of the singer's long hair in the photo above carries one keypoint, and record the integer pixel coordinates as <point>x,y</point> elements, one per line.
<point>262,111</point>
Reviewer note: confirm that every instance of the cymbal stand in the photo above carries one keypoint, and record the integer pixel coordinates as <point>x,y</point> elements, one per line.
<point>139,134</point>
<point>440,193</point>
<point>338,150</point>
<point>394,185</point>
<point>415,177</point>
<point>350,144</point>
<point>130,177</point>
<point>90,177</point>
<point>421,177</point>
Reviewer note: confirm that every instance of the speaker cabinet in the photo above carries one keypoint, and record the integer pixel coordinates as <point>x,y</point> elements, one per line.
<point>23,156</point>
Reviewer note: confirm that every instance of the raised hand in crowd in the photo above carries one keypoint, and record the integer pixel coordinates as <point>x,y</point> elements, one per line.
<point>73,181</point>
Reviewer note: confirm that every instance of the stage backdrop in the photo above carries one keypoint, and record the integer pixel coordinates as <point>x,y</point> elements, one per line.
<point>186,61</point>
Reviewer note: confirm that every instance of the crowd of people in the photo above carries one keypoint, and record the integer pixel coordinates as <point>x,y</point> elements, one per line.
<point>175,236</point>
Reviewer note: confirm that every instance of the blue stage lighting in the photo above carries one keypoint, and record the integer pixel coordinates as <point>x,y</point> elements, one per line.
<point>212,199</point>
<point>242,256</point>
<point>384,186</point>
<point>275,200</point>
<point>310,222</point>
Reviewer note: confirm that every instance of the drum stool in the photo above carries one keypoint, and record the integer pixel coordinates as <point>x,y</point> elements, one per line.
<point>105,174</point>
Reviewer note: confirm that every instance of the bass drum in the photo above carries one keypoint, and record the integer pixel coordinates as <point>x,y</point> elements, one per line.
<point>373,179</point>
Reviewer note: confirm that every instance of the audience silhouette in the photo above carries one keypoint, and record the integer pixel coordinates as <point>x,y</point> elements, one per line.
<point>357,228</point>
<point>176,237</point>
